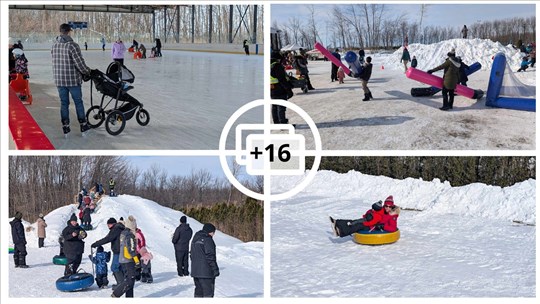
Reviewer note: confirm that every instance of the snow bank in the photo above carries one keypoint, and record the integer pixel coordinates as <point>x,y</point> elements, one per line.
<point>514,203</point>
<point>470,51</point>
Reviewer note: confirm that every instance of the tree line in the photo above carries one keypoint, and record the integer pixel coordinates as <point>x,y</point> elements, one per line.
<point>458,171</point>
<point>40,184</point>
<point>371,26</point>
<point>42,25</point>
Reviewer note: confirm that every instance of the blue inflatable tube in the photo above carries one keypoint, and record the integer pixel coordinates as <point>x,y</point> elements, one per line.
<point>352,59</point>
<point>522,104</point>
<point>495,79</point>
<point>75,282</point>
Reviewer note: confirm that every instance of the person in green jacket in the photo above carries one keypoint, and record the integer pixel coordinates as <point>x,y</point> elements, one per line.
<point>405,58</point>
<point>450,79</point>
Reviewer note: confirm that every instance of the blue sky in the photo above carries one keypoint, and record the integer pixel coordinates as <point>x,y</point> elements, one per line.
<point>437,14</point>
<point>180,165</point>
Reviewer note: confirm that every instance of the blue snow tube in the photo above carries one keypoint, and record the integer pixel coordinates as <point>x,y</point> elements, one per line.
<point>87,227</point>
<point>352,59</point>
<point>75,282</point>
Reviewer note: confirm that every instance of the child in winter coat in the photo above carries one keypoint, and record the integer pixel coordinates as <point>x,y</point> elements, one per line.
<point>341,75</point>
<point>414,62</point>
<point>524,64</point>
<point>101,259</point>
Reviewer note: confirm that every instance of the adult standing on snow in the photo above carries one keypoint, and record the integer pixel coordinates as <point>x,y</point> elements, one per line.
<point>369,220</point>
<point>390,215</point>
<point>73,236</point>
<point>112,184</point>
<point>68,69</point>
<point>158,48</point>
<point>128,260</point>
<point>19,241</point>
<point>113,237</point>
<point>204,267</point>
<point>450,79</point>
<point>364,76</point>
<point>246,46</point>
<point>280,88</point>
<point>103,43</point>
<point>118,50</point>
<point>182,236</point>
<point>41,230</point>
<point>405,58</point>
<point>464,31</point>
<point>333,73</point>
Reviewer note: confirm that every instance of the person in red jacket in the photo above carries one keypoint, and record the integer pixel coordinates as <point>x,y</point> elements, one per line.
<point>390,215</point>
<point>368,221</point>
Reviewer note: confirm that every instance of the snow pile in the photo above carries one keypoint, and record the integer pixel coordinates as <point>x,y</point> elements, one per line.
<point>241,264</point>
<point>356,192</point>
<point>462,244</point>
<point>470,51</point>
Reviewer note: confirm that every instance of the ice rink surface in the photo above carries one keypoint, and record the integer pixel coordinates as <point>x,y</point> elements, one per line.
<point>189,95</point>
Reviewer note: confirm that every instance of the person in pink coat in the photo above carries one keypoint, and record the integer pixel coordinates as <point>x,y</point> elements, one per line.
<point>41,230</point>
<point>118,50</point>
<point>390,216</point>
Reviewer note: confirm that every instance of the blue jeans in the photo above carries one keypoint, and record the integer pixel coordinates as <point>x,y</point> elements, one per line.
<point>76,95</point>
<point>115,265</point>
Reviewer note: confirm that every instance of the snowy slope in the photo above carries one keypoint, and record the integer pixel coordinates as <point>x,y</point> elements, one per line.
<point>470,51</point>
<point>463,243</point>
<point>241,264</point>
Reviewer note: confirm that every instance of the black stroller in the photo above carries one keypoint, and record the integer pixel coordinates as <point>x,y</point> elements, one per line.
<point>299,82</point>
<point>114,86</point>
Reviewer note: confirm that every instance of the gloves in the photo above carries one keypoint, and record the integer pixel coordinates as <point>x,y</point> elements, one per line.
<point>216,273</point>
<point>86,77</point>
<point>349,223</point>
<point>94,245</point>
<point>90,256</point>
<point>429,71</point>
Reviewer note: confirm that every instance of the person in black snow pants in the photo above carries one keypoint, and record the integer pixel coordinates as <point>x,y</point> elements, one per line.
<point>204,267</point>
<point>182,236</point>
<point>73,236</point>
<point>100,260</point>
<point>19,241</point>
<point>280,88</point>
<point>128,259</point>
<point>113,237</point>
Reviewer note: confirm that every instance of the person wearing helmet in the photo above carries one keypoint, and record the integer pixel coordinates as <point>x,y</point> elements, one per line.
<point>368,222</point>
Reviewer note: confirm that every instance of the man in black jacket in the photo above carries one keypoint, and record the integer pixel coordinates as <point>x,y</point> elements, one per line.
<point>113,237</point>
<point>19,241</point>
<point>280,88</point>
<point>364,76</point>
<point>73,236</point>
<point>204,267</point>
<point>181,238</point>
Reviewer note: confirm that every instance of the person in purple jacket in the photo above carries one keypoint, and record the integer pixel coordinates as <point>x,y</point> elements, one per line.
<point>118,50</point>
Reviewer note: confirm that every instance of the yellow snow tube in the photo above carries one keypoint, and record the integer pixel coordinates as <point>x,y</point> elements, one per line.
<point>376,237</point>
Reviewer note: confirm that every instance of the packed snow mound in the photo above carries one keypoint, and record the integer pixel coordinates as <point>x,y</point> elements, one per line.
<point>241,264</point>
<point>514,203</point>
<point>470,51</point>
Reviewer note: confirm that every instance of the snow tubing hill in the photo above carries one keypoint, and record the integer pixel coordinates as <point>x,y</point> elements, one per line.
<point>75,282</point>
<point>11,250</point>
<point>59,260</point>
<point>494,88</point>
<point>376,237</point>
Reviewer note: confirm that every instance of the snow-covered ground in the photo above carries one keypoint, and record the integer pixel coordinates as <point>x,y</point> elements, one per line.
<point>462,243</point>
<point>189,96</point>
<point>395,120</point>
<point>241,264</point>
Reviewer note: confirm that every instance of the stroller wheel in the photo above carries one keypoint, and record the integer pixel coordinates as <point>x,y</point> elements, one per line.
<point>95,116</point>
<point>143,117</point>
<point>115,122</point>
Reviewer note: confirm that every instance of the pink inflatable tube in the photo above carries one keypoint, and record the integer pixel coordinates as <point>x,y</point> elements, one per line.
<point>437,81</point>
<point>331,57</point>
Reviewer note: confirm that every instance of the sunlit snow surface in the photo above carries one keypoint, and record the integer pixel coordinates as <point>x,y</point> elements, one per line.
<point>463,243</point>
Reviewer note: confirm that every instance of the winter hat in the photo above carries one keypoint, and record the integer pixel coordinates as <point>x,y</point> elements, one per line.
<point>209,228</point>
<point>18,215</point>
<point>377,206</point>
<point>389,201</point>
<point>452,52</point>
<point>131,223</point>
<point>41,215</point>
<point>183,219</point>
<point>112,220</point>
<point>65,28</point>
<point>73,217</point>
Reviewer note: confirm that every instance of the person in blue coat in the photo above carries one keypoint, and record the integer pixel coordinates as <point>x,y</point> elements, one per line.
<point>204,267</point>
<point>100,260</point>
